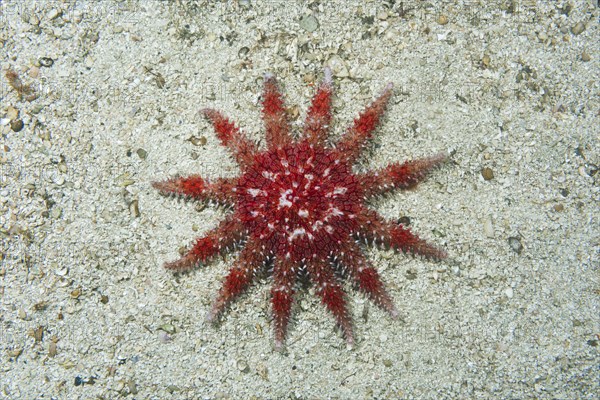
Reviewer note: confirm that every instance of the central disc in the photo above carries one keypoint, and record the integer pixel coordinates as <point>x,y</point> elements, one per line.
<point>298,196</point>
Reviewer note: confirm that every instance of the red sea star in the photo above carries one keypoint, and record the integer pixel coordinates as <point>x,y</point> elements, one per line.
<point>298,206</point>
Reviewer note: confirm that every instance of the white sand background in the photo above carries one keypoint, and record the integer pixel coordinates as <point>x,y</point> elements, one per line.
<point>87,310</point>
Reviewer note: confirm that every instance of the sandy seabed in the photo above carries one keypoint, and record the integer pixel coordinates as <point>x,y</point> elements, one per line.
<point>106,101</point>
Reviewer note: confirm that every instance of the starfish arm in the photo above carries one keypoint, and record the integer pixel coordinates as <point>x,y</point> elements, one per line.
<point>318,117</point>
<point>366,277</point>
<point>232,137</point>
<point>221,189</point>
<point>250,261</point>
<point>352,143</point>
<point>229,232</point>
<point>274,115</point>
<point>374,228</point>
<point>284,277</point>
<point>399,175</point>
<point>331,294</point>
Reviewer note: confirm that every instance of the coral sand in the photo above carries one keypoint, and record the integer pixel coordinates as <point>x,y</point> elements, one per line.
<point>299,208</point>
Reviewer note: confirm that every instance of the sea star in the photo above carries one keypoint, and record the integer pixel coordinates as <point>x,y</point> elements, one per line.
<point>299,207</point>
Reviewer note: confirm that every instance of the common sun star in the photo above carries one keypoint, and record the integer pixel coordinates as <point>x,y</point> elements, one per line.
<point>300,211</point>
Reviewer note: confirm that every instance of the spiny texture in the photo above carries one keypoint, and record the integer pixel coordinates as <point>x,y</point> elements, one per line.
<point>299,208</point>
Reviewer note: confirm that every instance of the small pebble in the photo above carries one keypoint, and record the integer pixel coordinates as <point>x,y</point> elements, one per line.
<point>78,16</point>
<point>309,23</point>
<point>134,208</point>
<point>585,56</point>
<point>40,306</point>
<point>243,52</point>
<point>242,365</point>
<point>404,220</point>
<point>12,113</point>
<point>46,62</point>
<point>262,371</point>
<point>488,228</point>
<point>578,28</point>
<point>486,60</point>
<point>293,112</point>
<point>37,334</point>
<point>16,125</point>
<point>52,349</point>
<point>487,173</point>
<point>56,213</point>
<point>442,20</point>
<point>132,386</point>
<point>197,141</point>
<point>542,37</point>
<point>509,293</point>
<point>309,78</point>
<point>127,182</point>
<point>62,166</point>
<point>182,250</point>
<point>411,274</point>
<point>515,244</point>
<point>559,207</point>
<point>59,180</point>
<point>164,337</point>
<point>52,14</point>
<point>142,153</point>
<point>172,389</point>
<point>15,353</point>
<point>304,305</point>
<point>169,328</point>
<point>338,66</point>
<point>382,15</point>
<point>37,108</point>
<point>34,72</point>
